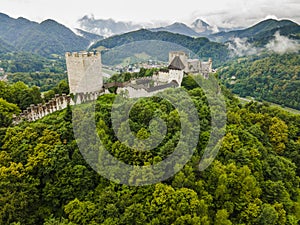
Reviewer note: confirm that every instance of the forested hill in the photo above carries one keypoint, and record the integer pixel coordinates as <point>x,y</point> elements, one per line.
<point>200,46</point>
<point>5,47</point>
<point>274,78</point>
<point>255,178</point>
<point>48,37</point>
<point>262,32</point>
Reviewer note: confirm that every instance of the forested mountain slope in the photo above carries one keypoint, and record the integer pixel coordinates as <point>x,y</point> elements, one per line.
<point>254,179</point>
<point>45,38</point>
<point>274,78</point>
<point>202,47</point>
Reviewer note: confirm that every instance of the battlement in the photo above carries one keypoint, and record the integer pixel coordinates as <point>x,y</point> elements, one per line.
<point>84,71</point>
<point>59,102</point>
<point>82,54</point>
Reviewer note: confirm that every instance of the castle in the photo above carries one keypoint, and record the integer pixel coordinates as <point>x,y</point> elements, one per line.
<point>192,65</point>
<point>85,74</point>
<point>86,82</point>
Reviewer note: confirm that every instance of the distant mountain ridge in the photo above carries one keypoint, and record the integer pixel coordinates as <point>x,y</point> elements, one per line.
<point>178,28</point>
<point>110,27</point>
<point>107,27</point>
<point>200,46</point>
<point>261,32</point>
<point>47,37</point>
<point>89,36</point>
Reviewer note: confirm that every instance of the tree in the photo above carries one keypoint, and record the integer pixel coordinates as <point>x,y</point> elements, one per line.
<point>7,111</point>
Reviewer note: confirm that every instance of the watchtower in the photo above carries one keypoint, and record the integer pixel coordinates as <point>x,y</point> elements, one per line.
<point>84,72</point>
<point>183,57</point>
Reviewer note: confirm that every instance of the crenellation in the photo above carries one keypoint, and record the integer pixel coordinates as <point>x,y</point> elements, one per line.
<point>59,102</point>
<point>84,72</point>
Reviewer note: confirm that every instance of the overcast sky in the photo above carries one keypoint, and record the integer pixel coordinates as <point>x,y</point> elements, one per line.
<point>223,13</point>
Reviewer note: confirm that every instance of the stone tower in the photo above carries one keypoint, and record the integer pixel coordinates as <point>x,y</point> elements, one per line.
<point>84,72</point>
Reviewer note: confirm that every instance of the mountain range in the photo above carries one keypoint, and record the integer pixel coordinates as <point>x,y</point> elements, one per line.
<point>50,37</point>
<point>110,27</point>
<point>47,37</point>
<point>262,32</point>
<point>107,27</point>
<point>200,46</point>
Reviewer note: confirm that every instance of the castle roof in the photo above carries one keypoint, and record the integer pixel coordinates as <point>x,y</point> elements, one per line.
<point>176,64</point>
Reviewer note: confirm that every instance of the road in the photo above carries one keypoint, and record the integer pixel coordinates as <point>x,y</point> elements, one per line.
<point>290,110</point>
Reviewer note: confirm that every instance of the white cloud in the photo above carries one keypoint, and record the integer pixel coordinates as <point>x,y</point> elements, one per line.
<point>281,44</point>
<point>223,13</point>
<point>241,47</point>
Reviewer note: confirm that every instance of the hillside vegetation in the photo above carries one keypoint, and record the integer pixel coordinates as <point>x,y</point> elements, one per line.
<point>274,78</point>
<point>254,179</point>
<point>46,38</point>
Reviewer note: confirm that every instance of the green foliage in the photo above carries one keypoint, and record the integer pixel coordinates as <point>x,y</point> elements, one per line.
<point>45,38</point>
<point>20,94</point>
<point>7,110</point>
<point>254,179</point>
<point>274,78</point>
<point>33,70</point>
<point>126,76</point>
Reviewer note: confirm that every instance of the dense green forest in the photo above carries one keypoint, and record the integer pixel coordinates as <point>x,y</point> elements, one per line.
<point>274,78</point>
<point>254,179</point>
<point>34,70</point>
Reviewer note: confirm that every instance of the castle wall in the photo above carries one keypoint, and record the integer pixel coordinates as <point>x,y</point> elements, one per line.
<point>176,75</point>
<point>84,72</point>
<point>86,83</point>
<point>161,77</point>
<point>35,112</point>
<point>194,66</point>
<point>132,92</point>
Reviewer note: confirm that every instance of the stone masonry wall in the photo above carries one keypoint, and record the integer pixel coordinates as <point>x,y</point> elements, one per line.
<point>84,72</point>
<point>59,102</point>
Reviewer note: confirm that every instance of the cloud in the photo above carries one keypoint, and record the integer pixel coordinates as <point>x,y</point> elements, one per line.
<point>281,44</point>
<point>241,47</point>
<point>247,13</point>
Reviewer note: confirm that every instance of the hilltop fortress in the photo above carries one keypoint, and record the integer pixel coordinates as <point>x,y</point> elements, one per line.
<point>85,75</point>
<point>86,82</point>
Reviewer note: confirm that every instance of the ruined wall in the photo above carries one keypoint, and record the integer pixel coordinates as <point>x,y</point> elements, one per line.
<point>59,102</point>
<point>84,72</point>
<point>161,77</point>
<point>194,66</point>
<point>132,92</point>
<point>168,77</point>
